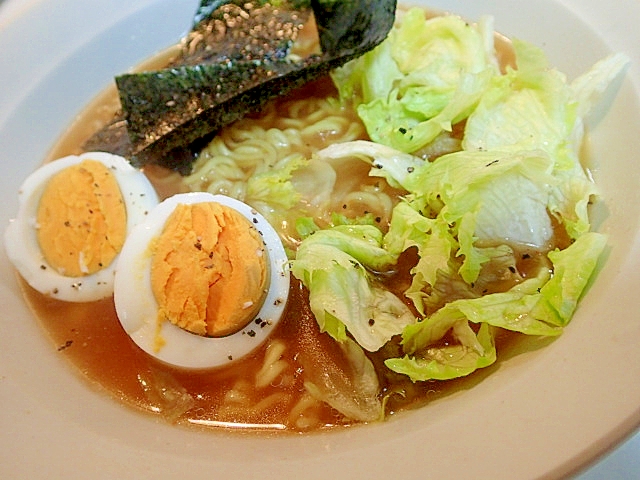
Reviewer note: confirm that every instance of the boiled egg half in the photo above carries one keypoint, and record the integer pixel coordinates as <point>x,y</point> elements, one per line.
<point>202,281</point>
<point>73,217</point>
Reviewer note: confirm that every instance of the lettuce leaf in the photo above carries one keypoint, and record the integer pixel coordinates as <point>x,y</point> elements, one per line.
<point>434,242</point>
<point>535,107</point>
<point>494,197</point>
<point>332,264</point>
<point>428,75</point>
<point>450,361</point>
<point>573,267</point>
<point>541,305</point>
<point>388,163</point>
<point>510,310</point>
<point>273,187</point>
<point>467,214</point>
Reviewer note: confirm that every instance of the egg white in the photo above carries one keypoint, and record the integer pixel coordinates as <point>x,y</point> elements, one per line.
<point>137,308</point>
<point>21,242</point>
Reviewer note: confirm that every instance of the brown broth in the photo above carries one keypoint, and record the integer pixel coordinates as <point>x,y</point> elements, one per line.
<point>90,336</point>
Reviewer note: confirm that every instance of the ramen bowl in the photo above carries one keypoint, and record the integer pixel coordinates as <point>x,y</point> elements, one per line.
<point>546,410</point>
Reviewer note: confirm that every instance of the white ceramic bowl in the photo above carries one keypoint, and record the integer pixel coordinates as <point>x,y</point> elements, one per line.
<point>545,413</point>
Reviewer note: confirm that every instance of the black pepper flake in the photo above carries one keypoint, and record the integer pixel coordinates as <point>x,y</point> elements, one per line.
<point>43,267</point>
<point>66,345</point>
<point>198,245</point>
<point>264,324</point>
<point>410,169</point>
<point>371,322</point>
<point>378,219</point>
<point>255,220</point>
<point>258,321</point>
<point>378,166</point>
<point>402,130</point>
<point>492,163</point>
<point>512,269</point>
<point>67,223</point>
<point>251,333</point>
<point>277,301</point>
<point>230,357</point>
<point>344,206</point>
<point>526,256</point>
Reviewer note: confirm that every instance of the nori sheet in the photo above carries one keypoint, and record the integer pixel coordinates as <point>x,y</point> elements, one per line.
<point>234,61</point>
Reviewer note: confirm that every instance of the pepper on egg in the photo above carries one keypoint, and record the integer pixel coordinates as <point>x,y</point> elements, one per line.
<point>202,281</point>
<point>72,221</point>
<point>209,269</point>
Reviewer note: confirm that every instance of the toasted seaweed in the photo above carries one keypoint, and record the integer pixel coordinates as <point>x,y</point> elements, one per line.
<point>227,69</point>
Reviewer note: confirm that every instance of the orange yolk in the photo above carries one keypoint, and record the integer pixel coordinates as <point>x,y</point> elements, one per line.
<point>209,270</point>
<point>82,219</point>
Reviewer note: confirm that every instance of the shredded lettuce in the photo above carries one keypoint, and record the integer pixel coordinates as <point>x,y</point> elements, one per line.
<point>514,183</point>
<point>333,265</point>
<point>428,75</point>
<point>572,270</point>
<point>388,163</point>
<point>538,306</point>
<point>450,361</point>
<point>534,107</point>
<point>273,187</point>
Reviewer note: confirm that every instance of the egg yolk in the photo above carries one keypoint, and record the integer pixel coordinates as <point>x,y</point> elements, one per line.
<point>81,219</point>
<point>209,270</point>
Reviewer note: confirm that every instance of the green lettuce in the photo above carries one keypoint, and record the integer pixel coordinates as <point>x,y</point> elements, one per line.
<point>450,361</point>
<point>535,107</point>
<point>490,196</point>
<point>273,187</point>
<point>428,75</point>
<point>333,265</point>
<point>433,240</point>
<point>392,165</point>
<point>541,305</point>
<point>573,267</point>
<point>469,215</point>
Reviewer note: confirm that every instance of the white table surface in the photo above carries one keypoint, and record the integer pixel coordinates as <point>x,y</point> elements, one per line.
<point>623,463</point>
